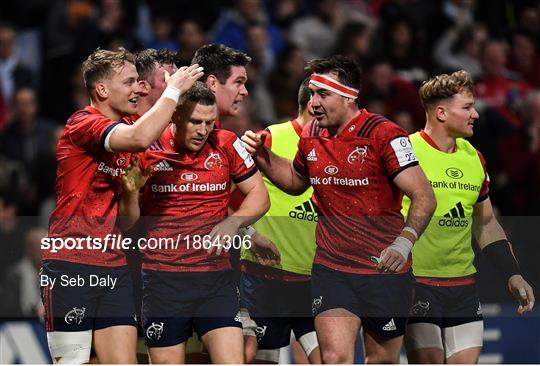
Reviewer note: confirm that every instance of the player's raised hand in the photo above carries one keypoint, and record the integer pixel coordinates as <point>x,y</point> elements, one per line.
<point>184,77</point>
<point>253,142</point>
<point>523,292</point>
<point>264,250</point>
<point>133,178</point>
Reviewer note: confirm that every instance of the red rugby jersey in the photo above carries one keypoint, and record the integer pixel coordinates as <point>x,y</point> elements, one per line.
<point>188,194</point>
<point>88,187</point>
<point>351,174</point>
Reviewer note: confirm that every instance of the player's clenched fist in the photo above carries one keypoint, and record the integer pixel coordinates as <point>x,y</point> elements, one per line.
<point>253,142</point>
<point>184,77</point>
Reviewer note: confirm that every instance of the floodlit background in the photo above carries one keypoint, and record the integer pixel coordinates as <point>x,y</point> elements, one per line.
<point>399,43</point>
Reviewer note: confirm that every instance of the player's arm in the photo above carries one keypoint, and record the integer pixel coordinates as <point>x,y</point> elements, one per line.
<point>412,182</point>
<point>494,244</point>
<point>279,170</point>
<point>133,179</point>
<point>256,201</point>
<point>148,128</point>
<point>254,206</point>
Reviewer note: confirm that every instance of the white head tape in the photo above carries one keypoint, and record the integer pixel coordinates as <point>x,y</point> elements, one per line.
<point>328,83</point>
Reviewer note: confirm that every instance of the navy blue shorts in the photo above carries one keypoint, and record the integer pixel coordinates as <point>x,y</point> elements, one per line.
<point>382,302</point>
<point>277,307</point>
<point>85,297</point>
<point>445,306</point>
<point>175,303</point>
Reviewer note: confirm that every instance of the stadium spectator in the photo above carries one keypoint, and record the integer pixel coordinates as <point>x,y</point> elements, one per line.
<point>459,48</point>
<point>190,38</point>
<point>524,58</point>
<point>499,88</point>
<point>348,289</point>
<point>262,62</point>
<point>162,29</point>
<point>11,230</point>
<point>316,33</point>
<point>398,97</point>
<point>402,46</point>
<point>231,27</point>
<point>13,73</point>
<point>354,41</point>
<point>28,135</point>
<point>19,287</point>
<point>283,81</point>
<point>502,92</point>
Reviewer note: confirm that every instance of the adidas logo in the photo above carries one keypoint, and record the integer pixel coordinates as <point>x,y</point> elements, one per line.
<point>455,217</point>
<point>305,211</point>
<point>312,156</point>
<point>391,325</point>
<point>163,166</point>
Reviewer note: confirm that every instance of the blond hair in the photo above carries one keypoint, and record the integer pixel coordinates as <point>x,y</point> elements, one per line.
<point>101,65</point>
<point>444,86</point>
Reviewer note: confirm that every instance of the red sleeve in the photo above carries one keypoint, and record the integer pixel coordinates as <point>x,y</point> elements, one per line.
<point>395,148</point>
<point>268,139</point>
<point>300,162</point>
<point>89,132</point>
<point>242,165</point>
<point>484,191</point>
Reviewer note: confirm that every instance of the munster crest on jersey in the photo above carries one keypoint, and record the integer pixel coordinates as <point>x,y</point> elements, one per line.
<point>358,155</point>
<point>213,161</point>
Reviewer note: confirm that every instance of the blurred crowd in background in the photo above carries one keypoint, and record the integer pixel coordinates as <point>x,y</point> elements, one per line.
<point>399,43</point>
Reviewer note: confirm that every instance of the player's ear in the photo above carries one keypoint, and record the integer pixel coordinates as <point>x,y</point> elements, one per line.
<point>212,81</point>
<point>441,113</point>
<point>145,87</point>
<point>101,90</point>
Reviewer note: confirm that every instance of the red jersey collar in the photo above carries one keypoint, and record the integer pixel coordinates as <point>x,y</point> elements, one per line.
<point>430,141</point>
<point>351,128</point>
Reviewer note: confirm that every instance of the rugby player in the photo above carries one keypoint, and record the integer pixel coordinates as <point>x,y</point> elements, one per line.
<point>186,199</point>
<point>225,73</point>
<point>88,187</point>
<point>446,325</point>
<point>359,164</point>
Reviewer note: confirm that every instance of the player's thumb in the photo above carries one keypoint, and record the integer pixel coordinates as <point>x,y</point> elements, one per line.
<point>166,74</point>
<point>263,135</point>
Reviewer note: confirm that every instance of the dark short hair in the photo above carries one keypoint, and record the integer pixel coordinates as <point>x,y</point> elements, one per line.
<point>100,65</point>
<point>145,61</point>
<point>199,93</point>
<point>304,95</point>
<point>347,70</point>
<point>218,59</point>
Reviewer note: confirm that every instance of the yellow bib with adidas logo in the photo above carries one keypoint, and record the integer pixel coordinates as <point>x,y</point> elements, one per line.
<point>290,222</point>
<point>444,249</point>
